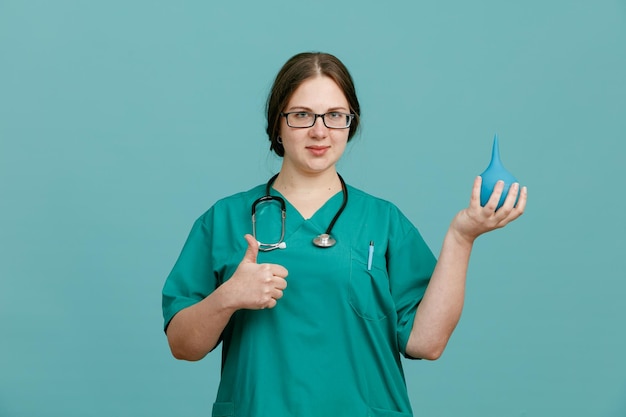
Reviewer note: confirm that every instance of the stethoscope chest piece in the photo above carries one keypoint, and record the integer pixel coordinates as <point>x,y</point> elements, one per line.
<point>324,241</point>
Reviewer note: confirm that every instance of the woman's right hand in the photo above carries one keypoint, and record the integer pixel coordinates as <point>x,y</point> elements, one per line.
<point>255,286</point>
<point>195,331</point>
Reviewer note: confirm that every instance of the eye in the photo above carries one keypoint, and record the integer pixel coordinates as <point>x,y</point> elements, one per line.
<point>335,115</point>
<point>301,115</point>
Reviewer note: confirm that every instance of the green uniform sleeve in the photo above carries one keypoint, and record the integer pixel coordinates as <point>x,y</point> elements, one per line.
<point>192,278</point>
<point>410,264</point>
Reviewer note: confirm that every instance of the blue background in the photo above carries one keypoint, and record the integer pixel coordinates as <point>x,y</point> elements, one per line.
<point>121,122</point>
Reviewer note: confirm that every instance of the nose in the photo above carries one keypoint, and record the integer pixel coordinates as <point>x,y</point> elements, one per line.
<point>319,129</point>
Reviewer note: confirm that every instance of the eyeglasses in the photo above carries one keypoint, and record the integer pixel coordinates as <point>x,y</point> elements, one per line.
<point>332,120</point>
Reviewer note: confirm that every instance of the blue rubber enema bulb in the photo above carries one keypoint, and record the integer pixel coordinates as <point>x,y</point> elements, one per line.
<point>494,172</point>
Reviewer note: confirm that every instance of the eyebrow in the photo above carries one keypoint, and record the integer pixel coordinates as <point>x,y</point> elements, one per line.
<point>308,109</point>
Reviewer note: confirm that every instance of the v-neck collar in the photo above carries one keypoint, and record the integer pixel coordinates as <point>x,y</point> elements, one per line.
<point>320,219</point>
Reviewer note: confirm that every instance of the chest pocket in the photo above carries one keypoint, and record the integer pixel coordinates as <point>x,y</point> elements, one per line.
<point>369,293</point>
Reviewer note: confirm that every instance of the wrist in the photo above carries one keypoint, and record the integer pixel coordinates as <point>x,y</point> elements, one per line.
<point>460,237</point>
<point>225,299</point>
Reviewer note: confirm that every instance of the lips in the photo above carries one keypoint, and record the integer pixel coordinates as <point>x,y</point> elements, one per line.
<point>318,150</point>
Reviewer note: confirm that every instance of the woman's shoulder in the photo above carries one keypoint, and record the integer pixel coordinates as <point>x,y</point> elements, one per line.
<point>366,203</point>
<point>235,202</point>
<point>367,198</point>
<point>242,196</point>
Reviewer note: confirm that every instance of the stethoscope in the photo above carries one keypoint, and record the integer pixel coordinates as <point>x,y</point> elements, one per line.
<point>325,240</point>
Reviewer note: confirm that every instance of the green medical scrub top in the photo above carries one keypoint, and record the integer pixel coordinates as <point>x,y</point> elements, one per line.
<point>332,344</point>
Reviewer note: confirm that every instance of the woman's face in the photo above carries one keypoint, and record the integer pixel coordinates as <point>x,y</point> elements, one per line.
<point>314,149</point>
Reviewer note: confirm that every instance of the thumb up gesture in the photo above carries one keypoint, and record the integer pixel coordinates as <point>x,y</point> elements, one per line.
<point>256,286</point>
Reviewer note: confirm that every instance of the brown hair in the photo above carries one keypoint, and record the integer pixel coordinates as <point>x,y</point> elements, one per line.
<point>296,70</point>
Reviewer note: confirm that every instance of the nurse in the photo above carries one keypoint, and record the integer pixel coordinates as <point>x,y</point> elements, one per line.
<point>309,331</point>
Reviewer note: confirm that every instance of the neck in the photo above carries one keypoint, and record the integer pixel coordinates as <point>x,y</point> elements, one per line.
<point>298,183</point>
<point>308,193</point>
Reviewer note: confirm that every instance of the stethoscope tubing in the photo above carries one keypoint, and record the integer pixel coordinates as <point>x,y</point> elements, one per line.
<point>323,241</point>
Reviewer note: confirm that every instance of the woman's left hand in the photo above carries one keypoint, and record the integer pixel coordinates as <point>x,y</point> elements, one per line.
<point>475,220</point>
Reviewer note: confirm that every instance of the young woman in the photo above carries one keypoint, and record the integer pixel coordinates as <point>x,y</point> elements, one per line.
<point>315,309</point>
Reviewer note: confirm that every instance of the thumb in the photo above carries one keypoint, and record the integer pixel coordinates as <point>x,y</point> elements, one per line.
<point>252,251</point>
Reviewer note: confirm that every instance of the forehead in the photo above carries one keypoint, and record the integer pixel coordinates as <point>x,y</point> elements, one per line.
<point>320,91</point>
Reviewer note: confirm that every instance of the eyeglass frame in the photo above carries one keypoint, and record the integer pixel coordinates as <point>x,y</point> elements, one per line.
<point>315,116</point>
